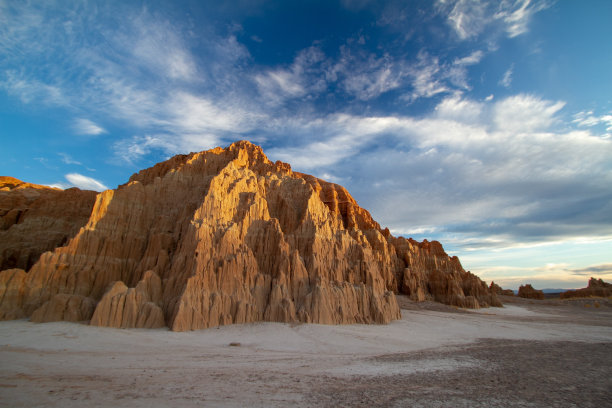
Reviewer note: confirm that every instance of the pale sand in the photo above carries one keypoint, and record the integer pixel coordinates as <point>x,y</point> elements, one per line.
<point>433,356</point>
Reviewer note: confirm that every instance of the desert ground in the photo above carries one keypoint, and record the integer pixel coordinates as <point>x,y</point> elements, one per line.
<point>549,353</point>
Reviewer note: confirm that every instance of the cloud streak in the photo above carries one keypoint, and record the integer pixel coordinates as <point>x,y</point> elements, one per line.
<point>85,182</point>
<point>86,127</point>
<point>470,18</point>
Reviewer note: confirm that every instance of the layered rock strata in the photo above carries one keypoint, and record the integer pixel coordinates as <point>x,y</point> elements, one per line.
<point>227,236</point>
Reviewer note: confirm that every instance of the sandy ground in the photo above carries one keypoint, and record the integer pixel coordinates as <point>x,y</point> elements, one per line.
<point>527,354</point>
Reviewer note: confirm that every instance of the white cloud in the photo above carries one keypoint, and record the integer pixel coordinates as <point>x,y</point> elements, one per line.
<point>516,15</point>
<point>61,186</point>
<point>370,84</point>
<point>84,182</point>
<point>159,46</point>
<point>303,77</point>
<point>506,80</point>
<point>525,113</point>
<point>426,78</point>
<point>31,90</point>
<point>589,119</point>
<point>474,58</point>
<point>68,160</point>
<point>188,113</point>
<point>330,140</point>
<point>470,18</point>
<point>136,68</point>
<point>365,75</point>
<point>459,109</point>
<point>83,126</point>
<point>281,83</point>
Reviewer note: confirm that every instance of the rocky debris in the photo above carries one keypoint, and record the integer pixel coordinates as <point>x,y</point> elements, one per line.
<point>227,236</point>
<point>35,219</point>
<point>527,291</point>
<point>495,288</point>
<point>595,288</point>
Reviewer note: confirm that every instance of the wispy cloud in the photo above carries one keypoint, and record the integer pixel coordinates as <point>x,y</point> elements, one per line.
<point>426,77</point>
<point>604,270</point>
<point>506,79</point>
<point>135,68</point>
<point>160,47</point>
<point>525,113</point>
<point>84,182</point>
<point>470,18</point>
<point>365,75</point>
<point>474,58</point>
<point>31,90</point>
<point>590,119</point>
<point>66,159</point>
<point>517,14</point>
<point>83,126</point>
<point>302,77</point>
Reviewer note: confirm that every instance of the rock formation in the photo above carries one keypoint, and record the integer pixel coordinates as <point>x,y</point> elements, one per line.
<point>595,288</point>
<point>527,291</point>
<point>35,219</point>
<point>495,288</point>
<point>428,273</point>
<point>227,236</point>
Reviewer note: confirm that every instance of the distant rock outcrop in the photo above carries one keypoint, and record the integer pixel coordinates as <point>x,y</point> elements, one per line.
<point>527,291</point>
<point>595,288</point>
<point>227,236</point>
<point>495,288</point>
<point>35,219</point>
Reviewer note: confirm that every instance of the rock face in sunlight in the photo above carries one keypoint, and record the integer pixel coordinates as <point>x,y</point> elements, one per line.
<point>595,288</point>
<point>35,219</point>
<point>227,236</point>
<point>527,291</point>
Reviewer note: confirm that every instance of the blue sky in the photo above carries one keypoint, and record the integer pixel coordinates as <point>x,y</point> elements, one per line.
<point>485,125</point>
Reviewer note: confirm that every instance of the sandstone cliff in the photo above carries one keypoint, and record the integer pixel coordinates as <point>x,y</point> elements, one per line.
<point>226,236</point>
<point>595,288</point>
<point>527,291</point>
<point>35,219</point>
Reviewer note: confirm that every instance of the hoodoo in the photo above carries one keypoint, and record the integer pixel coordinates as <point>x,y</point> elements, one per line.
<point>219,237</point>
